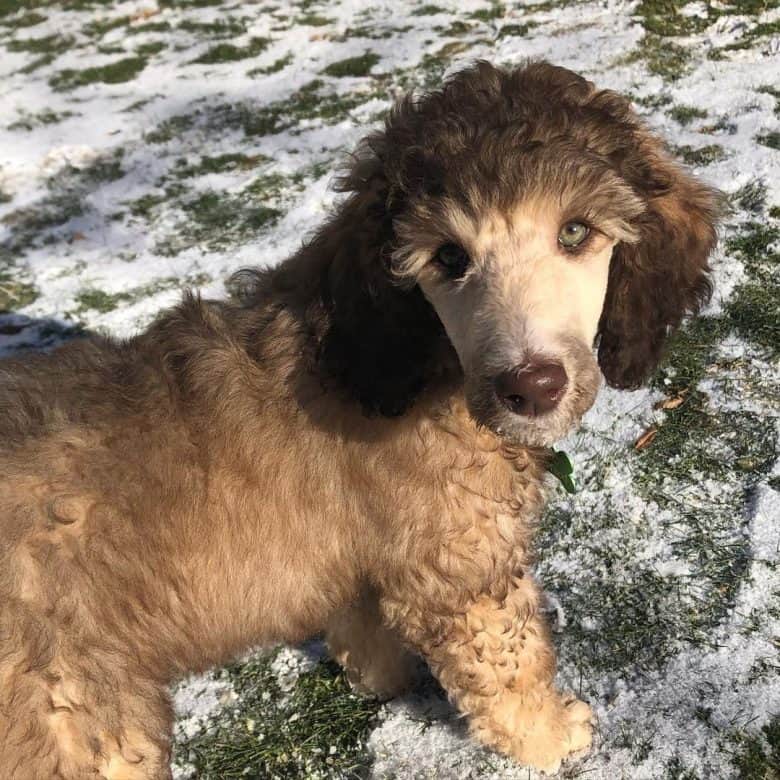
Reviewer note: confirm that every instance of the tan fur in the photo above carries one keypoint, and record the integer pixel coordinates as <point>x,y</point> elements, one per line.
<point>307,458</point>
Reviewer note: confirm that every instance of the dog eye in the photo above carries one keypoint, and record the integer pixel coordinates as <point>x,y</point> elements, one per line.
<point>573,234</point>
<point>453,259</point>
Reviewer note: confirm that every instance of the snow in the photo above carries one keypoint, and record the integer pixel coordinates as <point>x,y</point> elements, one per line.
<point>688,707</point>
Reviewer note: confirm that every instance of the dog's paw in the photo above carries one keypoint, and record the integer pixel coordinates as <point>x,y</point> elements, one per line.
<point>562,727</point>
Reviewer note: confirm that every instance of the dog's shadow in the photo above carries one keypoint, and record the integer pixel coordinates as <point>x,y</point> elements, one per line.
<point>20,334</point>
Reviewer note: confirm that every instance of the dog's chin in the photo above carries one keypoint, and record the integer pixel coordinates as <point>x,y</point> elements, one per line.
<point>523,431</point>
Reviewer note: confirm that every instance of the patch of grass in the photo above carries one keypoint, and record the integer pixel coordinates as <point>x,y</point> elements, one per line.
<point>457,28</point>
<point>49,44</point>
<point>114,73</point>
<point>662,57</point>
<point>686,114</point>
<point>92,299</point>
<point>774,212</point>
<point>25,20</point>
<point>428,9</point>
<point>675,769</point>
<point>752,196</point>
<point>515,30</point>
<point>143,206</point>
<point>352,66</point>
<point>313,20</point>
<point>15,294</point>
<point>45,117</point>
<point>309,102</point>
<point>664,17</point>
<point>67,191</point>
<point>150,48</point>
<point>754,308</point>
<point>228,52</point>
<point>654,101</point>
<point>772,139</point>
<point>227,27</point>
<point>317,729</point>
<point>137,105</point>
<point>496,11</point>
<point>30,224</point>
<point>38,62</point>
<point>274,67</point>
<point>99,27</point>
<point>774,92</point>
<point>100,301</point>
<point>219,220</point>
<point>148,27</point>
<point>220,164</point>
<point>8,7</point>
<point>169,129</point>
<point>701,155</point>
<point>757,756</point>
<point>754,312</point>
<point>5,197</point>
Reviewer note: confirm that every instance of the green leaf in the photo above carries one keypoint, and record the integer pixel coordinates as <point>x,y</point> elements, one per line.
<point>561,468</point>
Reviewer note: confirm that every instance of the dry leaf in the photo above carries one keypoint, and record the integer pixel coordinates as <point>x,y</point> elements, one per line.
<point>646,439</point>
<point>672,403</point>
<point>145,14</point>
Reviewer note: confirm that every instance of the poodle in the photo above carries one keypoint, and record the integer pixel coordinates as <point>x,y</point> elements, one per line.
<point>354,444</point>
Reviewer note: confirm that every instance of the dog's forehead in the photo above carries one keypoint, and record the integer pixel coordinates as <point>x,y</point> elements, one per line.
<point>529,220</point>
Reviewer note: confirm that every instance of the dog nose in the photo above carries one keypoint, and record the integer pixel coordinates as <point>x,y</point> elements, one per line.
<point>532,389</point>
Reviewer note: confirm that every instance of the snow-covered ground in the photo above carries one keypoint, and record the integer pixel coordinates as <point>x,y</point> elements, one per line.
<point>149,145</point>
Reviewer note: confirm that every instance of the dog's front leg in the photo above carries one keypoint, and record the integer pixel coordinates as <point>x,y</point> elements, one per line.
<point>494,657</point>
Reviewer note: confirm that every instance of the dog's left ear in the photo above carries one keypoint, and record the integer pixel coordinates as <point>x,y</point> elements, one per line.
<point>655,282</point>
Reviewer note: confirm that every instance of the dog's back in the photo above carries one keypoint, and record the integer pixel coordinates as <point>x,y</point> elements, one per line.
<point>139,488</point>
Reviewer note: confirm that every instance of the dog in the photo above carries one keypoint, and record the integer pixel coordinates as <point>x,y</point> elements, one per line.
<point>355,443</point>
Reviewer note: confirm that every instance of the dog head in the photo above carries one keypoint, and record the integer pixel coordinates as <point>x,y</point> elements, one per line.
<point>539,219</point>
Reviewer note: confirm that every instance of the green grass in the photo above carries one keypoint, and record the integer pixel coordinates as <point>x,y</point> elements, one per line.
<point>169,129</point>
<point>26,20</point>
<point>428,10</point>
<point>700,155</point>
<point>757,756</point>
<point>751,197</point>
<point>772,140</point>
<point>219,220</point>
<point>222,163</point>
<point>49,44</point>
<point>99,27</point>
<point>754,308</point>
<point>496,11</point>
<point>662,57</point>
<point>274,67</point>
<point>317,729</point>
<point>44,117</point>
<point>686,114</point>
<point>228,52</point>
<point>15,294</point>
<point>314,20</point>
<point>65,199</point>
<point>228,27</point>
<point>94,299</point>
<point>115,73</point>
<point>353,66</point>
<point>150,48</point>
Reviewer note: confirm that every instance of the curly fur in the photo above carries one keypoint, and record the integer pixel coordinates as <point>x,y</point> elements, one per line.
<point>302,458</point>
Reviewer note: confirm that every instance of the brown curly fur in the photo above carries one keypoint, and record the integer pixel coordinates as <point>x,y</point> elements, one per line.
<point>302,459</point>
